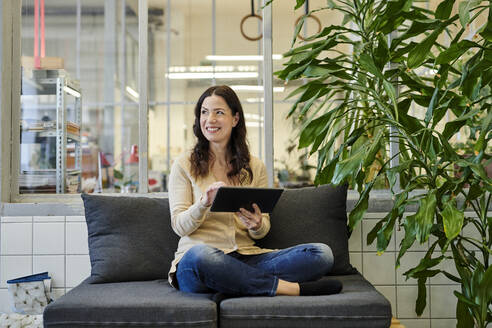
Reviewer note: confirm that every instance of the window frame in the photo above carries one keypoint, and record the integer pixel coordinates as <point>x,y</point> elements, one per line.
<point>10,114</point>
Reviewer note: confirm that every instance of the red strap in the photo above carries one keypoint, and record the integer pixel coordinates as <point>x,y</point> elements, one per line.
<point>37,61</point>
<point>43,54</point>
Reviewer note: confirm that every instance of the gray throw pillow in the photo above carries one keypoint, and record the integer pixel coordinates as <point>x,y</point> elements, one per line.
<point>130,238</point>
<point>312,215</point>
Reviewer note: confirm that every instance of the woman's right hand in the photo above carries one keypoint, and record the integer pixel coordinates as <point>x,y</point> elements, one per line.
<point>209,195</point>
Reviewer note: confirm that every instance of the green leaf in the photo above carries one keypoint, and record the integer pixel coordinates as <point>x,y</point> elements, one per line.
<point>373,149</point>
<point>421,302</point>
<point>311,131</point>
<point>444,9</point>
<point>425,216</point>
<point>453,126</point>
<point>348,166</point>
<point>430,108</point>
<point>390,90</point>
<point>117,174</point>
<point>454,51</point>
<point>374,232</point>
<point>381,54</point>
<point>361,207</point>
<point>464,299</point>
<point>410,225</point>
<point>452,220</point>
<point>463,316</point>
<point>417,55</point>
<point>486,33</point>
<point>485,129</point>
<point>368,64</point>
<point>299,4</point>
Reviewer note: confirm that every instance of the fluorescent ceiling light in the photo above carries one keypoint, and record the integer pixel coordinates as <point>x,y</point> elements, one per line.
<point>254,124</point>
<point>71,91</point>
<point>132,92</point>
<point>254,100</point>
<point>258,88</point>
<point>216,68</point>
<point>251,116</point>
<point>241,58</point>
<point>210,75</point>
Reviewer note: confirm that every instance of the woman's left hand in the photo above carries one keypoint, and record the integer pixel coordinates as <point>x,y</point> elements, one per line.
<point>252,220</point>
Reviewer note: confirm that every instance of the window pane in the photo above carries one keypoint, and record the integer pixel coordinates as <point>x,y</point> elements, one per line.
<point>174,90</point>
<point>87,139</point>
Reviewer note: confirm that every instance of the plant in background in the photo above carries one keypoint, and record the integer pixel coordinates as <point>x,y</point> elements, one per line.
<point>300,175</point>
<point>366,80</point>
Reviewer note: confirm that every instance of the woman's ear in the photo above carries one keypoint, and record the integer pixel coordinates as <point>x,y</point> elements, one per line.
<point>236,120</point>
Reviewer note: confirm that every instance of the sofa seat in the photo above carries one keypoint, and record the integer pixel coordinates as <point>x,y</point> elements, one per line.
<point>131,304</point>
<point>359,305</point>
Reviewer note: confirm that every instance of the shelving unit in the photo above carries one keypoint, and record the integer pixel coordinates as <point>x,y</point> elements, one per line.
<point>50,157</point>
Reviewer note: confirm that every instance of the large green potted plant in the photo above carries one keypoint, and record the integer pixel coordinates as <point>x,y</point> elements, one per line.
<point>365,79</point>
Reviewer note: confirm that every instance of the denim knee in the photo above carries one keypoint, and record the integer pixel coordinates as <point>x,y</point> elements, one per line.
<point>325,256</point>
<point>200,255</point>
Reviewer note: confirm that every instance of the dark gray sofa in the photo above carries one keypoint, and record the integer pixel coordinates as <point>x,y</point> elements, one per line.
<point>131,245</point>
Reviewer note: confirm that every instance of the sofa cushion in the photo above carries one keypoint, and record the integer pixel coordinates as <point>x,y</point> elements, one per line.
<point>359,305</point>
<point>130,304</point>
<point>311,215</point>
<point>130,238</point>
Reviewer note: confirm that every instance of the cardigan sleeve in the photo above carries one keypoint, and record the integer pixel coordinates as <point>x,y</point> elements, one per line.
<point>186,216</point>
<point>261,181</point>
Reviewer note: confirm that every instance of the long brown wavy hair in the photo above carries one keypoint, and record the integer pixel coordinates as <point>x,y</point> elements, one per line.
<point>237,149</point>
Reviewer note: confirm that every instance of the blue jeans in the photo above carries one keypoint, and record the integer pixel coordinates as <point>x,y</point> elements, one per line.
<point>205,269</point>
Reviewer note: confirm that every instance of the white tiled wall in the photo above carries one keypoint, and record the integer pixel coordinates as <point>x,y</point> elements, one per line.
<point>33,244</point>
<point>380,271</point>
<point>58,244</point>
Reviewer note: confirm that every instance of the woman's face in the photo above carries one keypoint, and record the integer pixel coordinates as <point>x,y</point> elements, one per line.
<point>216,120</point>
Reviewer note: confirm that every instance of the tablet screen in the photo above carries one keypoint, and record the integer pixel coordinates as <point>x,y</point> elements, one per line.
<point>230,199</point>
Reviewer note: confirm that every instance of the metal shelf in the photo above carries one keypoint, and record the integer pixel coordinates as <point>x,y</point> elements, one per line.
<point>52,131</point>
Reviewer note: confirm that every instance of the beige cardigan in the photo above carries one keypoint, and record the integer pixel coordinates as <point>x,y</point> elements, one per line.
<point>195,224</point>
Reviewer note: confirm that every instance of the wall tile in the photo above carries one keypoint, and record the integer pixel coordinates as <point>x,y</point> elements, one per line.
<point>356,260</point>
<point>78,268</point>
<point>471,231</point>
<point>406,297</point>
<point>49,238</point>
<point>14,266</point>
<point>379,269</point>
<point>4,301</point>
<point>49,218</point>
<point>416,323</point>
<point>75,218</point>
<point>408,261</point>
<point>443,301</point>
<point>77,238</point>
<point>390,293</point>
<point>367,226</point>
<point>356,239</point>
<point>56,293</point>
<point>448,266</point>
<point>16,238</point>
<point>443,323</point>
<point>54,264</point>
<point>17,219</point>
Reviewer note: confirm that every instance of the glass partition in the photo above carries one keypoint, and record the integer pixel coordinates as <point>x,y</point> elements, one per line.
<point>94,46</point>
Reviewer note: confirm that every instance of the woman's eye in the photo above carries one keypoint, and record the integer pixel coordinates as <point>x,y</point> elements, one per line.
<point>220,112</point>
<point>204,111</point>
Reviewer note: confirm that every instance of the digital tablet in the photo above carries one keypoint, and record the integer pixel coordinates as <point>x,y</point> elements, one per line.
<point>230,199</point>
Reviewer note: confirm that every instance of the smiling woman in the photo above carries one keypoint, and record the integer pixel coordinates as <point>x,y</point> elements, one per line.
<point>211,242</point>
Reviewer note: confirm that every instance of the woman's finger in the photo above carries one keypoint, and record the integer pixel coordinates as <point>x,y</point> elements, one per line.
<point>257,209</point>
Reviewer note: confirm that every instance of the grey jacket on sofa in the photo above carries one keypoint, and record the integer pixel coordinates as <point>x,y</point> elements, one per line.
<point>131,246</point>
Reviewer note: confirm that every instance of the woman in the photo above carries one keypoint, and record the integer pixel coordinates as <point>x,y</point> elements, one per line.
<point>216,252</point>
